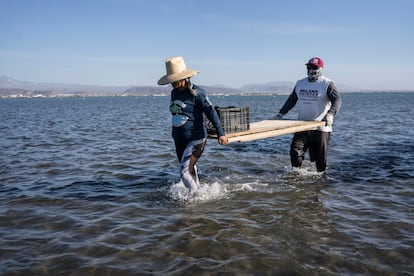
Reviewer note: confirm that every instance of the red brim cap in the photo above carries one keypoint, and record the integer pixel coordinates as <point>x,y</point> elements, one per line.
<point>315,61</point>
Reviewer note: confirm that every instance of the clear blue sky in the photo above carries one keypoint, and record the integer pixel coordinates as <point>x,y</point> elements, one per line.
<point>365,43</point>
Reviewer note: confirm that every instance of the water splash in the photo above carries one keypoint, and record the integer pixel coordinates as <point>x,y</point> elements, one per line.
<point>210,191</point>
<point>306,171</point>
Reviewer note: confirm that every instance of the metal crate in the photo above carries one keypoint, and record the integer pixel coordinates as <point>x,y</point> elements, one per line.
<point>233,119</point>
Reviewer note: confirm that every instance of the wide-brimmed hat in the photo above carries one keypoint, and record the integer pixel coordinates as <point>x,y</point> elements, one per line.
<point>176,70</point>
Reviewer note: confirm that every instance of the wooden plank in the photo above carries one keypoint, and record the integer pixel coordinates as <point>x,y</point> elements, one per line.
<point>270,128</point>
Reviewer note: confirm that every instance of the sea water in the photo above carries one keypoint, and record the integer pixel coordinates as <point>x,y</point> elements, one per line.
<point>91,186</point>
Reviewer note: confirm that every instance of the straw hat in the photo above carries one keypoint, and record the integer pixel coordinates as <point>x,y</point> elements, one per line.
<point>176,70</point>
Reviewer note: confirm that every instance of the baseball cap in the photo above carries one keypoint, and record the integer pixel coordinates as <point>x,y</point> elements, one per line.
<point>315,61</point>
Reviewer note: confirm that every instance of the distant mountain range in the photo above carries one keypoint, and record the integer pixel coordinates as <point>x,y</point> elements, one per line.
<point>9,86</point>
<point>14,88</point>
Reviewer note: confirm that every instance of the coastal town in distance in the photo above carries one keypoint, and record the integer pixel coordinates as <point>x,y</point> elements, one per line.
<point>11,88</point>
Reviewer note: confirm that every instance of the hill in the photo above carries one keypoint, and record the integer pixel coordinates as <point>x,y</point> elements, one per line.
<point>14,88</point>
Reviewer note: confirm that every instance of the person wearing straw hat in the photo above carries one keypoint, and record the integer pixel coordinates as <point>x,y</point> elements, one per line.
<point>188,106</point>
<point>318,100</point>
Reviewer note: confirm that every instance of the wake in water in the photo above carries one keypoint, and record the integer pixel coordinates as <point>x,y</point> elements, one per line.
<point>226,188</point>
<point>207,191</point>
<point>306,172</point>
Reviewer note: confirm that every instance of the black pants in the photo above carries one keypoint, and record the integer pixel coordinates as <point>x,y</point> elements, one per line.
<point>317,143</point>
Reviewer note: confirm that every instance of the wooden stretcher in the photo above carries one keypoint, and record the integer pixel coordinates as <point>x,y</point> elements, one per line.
<point>270,128</point>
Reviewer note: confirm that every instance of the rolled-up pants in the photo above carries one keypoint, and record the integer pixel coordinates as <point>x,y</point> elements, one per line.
<point>316,142</point>
<point>188,154</point>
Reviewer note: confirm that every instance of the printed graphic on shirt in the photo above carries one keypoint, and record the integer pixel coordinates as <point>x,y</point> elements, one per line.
<point>176,109</point>
<point>309,92</point>
<point>308,95</point>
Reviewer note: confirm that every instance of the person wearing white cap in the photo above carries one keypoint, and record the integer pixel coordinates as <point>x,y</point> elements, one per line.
<point>189,104</point>
<point>318,100</point>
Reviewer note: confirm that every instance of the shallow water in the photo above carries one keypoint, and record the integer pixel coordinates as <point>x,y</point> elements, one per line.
<point>91,186</point>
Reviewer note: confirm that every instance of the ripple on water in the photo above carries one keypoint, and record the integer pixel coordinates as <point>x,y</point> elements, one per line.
<point>91,186</point>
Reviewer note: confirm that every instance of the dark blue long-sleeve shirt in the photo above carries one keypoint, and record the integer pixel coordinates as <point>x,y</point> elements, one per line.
<point>188,109</point>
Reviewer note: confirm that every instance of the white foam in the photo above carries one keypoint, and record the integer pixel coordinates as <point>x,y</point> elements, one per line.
<point>307,171</point>
<point>231,184</point>
<point>209,191</point>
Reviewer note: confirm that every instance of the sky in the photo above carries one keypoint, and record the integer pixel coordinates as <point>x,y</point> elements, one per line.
<point>366,44</point>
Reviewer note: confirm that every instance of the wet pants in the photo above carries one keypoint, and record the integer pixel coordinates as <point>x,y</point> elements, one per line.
<point>188,154</point>
<point>317,143</point>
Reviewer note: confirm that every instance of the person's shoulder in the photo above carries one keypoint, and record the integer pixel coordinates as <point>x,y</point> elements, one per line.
<point>302,80</point>
<point>199,92</point>
<point>326,79</point>
<point>330,84</point>
<point>199,89</point>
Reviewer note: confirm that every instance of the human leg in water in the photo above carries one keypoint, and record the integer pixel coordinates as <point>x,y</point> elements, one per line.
<point>298,148</point>
<point>189,158</point>
<point>319,149</point>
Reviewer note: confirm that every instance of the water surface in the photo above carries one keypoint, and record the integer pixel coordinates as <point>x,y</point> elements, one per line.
<point>91,186</point>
